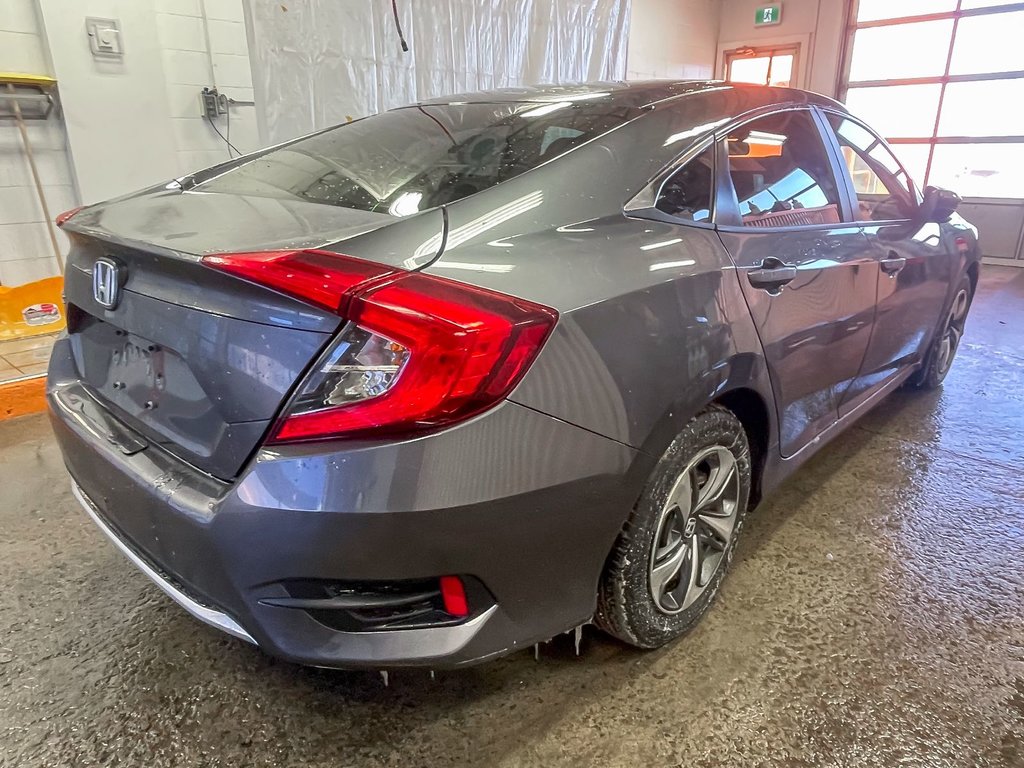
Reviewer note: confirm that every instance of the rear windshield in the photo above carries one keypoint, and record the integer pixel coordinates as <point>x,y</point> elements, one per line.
<point>414,158</point>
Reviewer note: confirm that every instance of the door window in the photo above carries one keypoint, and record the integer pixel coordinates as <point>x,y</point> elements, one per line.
<point>884,193</point>
<point>687,193</point>
<point>781,172</point>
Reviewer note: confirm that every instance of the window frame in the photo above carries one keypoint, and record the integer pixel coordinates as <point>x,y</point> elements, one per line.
<point>837,149</point>
<point>935,138</point>
<point>691,155</point>
<point>643,204</point>
<point>756,51</point>
<point>727,208</point>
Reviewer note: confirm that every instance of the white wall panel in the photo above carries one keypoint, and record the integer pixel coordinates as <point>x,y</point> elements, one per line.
<point>1000,226</point>
<point>672,38</point>
<point>182,7</point>
<point>228,37</point>
<point>322,62</point>
<point>25,250</point>
<point>190,65</point>
<point>21,52</point>
<point>227,10</point>
<point>115,111</point>
<point>182,33</point>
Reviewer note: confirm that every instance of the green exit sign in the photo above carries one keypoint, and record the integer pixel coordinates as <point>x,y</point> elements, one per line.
<point>769,14</point>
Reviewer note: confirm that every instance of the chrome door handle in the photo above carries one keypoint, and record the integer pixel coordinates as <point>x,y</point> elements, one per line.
<point>772,275</point>
<point>893,264</point>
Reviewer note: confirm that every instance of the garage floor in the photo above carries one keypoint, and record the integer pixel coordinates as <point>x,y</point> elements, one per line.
<point>874,617</point>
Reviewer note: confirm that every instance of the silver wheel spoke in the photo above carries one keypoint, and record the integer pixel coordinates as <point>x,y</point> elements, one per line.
<point>681,494</point>
<point>719,480</point>
<point>959,307</point>
<point>954,331</point>
<point>664,572</point>
<point>719,526</point>
<point>710,564</point>
<point>692,592</point>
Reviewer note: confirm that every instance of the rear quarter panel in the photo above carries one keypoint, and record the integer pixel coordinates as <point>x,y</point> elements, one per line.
<point>671,335</point>
<point>652,323</point>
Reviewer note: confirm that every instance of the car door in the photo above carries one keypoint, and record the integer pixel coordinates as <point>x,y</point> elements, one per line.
<point>914,261</point>
<point>808,277</point>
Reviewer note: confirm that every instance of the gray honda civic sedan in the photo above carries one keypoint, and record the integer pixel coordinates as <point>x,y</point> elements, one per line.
<point>443,382</point>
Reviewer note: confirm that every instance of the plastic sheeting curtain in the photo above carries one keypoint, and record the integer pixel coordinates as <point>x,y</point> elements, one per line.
<point>322,62</point>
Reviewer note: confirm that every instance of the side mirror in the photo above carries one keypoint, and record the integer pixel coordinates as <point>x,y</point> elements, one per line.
<point>939,205</point>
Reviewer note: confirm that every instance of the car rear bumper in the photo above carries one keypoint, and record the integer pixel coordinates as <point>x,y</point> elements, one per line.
<point>205,614</point>
<point>526,505</point>
<point>392,645</point>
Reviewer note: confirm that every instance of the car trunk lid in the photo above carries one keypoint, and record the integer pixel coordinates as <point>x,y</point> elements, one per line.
<point>197,361</point>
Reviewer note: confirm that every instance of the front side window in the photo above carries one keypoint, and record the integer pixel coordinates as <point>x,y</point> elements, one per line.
<point>882,187</point>
<point>781,172</point>
<point>687,193</point>
<point>411,159</point>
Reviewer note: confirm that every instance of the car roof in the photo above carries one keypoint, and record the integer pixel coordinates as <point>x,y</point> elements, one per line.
<point>641,93</point>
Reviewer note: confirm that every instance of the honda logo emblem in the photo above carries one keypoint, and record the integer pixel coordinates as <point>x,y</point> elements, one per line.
<point>106,287</point>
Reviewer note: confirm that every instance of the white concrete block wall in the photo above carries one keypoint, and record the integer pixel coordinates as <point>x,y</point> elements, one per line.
<point>189,66</point>
<point>25,250</point>
<point>673,39</point>
<point>147,77</point>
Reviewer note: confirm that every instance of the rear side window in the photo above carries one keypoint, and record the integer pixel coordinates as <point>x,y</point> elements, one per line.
<point>687,193</point>
<point>414,158</point>
<point>882,186</point>
<point>781,172</point>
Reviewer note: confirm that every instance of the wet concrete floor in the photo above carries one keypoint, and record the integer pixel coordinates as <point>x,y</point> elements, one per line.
<point>874,617</point>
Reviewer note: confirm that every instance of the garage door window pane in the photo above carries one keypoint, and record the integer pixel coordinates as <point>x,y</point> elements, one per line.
<point>872,10</point>
<point>981,109</point>
<point>968,4</point>
<point>914,158</point>
<point>897,110</point>
<point>902,50</point>
<point>988,44</point>
<point>980,170</point>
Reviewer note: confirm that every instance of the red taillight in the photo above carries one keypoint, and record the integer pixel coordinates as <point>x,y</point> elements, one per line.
<point>319,277</point>
<point>419,351</point>
<point>63,217</point>
<point>453,593</point>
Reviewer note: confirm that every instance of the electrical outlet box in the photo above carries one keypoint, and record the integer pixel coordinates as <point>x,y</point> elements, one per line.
<point>105,38</point>
<point>213,103</point>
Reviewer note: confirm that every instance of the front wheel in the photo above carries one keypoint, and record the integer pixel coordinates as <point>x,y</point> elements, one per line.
<point>674,550</point>
<point>943,350</point>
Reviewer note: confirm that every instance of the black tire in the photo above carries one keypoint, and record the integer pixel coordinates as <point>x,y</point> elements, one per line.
<point>627,606</point>
<point>942,351</point>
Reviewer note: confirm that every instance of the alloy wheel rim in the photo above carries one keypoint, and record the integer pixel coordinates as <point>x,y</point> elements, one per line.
<point>953,332</point>
<point>695,529</point>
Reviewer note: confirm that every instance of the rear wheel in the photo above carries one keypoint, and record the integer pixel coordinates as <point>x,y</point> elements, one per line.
<point>943,350</point>
<point>674,550</point>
